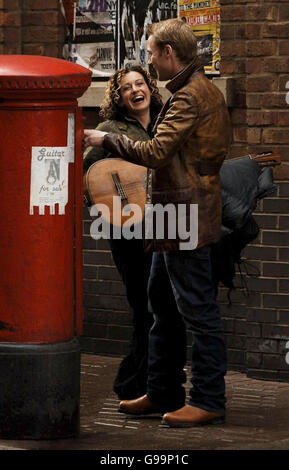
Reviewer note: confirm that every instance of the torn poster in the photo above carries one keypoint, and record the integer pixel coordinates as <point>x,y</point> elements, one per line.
<point>49,179</point>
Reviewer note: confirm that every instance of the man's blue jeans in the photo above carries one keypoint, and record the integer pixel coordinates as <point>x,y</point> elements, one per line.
<point>181,294</point>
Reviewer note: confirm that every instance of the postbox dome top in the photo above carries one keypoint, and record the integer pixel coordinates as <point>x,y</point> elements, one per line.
<point>31,72</point>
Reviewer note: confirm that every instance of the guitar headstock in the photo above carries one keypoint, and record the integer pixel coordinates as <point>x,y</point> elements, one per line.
<point>266,158</point>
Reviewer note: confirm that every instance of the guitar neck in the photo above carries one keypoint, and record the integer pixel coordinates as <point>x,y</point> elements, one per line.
<point>263,159</point>
<point>267,158</point>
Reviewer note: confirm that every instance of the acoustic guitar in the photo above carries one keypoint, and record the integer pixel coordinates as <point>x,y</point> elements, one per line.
<point>120,185</point>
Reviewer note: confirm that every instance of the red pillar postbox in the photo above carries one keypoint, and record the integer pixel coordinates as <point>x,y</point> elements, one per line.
<point>40,245</point>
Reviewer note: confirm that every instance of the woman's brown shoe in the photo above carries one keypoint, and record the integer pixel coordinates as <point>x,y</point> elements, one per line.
<point>139,406</point>
<point>190,416</point>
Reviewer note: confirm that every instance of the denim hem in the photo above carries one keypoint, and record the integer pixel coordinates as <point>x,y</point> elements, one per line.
<point>207,408</point>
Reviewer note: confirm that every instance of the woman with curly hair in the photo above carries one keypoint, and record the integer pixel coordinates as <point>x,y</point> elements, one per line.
<point>123,110</point>
<point>131,105</point>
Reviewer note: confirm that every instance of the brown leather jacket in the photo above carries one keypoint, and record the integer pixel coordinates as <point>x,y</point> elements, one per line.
<point>192,136</point>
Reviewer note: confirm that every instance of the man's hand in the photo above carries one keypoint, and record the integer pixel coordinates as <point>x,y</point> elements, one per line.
<point>93,138</point>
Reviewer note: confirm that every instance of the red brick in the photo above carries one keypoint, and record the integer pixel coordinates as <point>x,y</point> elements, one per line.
<point>253,30</point>
<point>233,48</point>
<point>227,31</point>
<point>283,151</point>
<point>40,4</point>
<point>239,65</point>
<point>284,82</point>
<point>240,134</point>
<point>284,192</point>
<point>12,35</point>
<point>276,65</point>
<point>10,19</point>
<point>254,100</point>
<point>276,30</point>
<point>240,31</point>
<point>273,100</point>
<point>53,18</point>
<point>264,83</point>
<point>238,150</point>
<point>37,34</point>
<point>262,118</point>
<point>254,135</point>
<point>275,238</point>
<point>11,4</point>
<point>261,13</point>
<point>282,172</point>
<point>284,12</point>
<point>12,48</point>
<point>41,18</point>
<point>261,48</point>
<point>283,118</point>
<point>233,13</point>
<point>226,66</point>
<point>53,50</point>
<point>275,300</point>
<point>275,136</point>
<point>32,18</point>
<point>33,49</point>
<point>283,47</point>
<point>254,65</point>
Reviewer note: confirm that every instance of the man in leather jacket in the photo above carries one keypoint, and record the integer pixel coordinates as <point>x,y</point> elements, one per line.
<point>191,139</point>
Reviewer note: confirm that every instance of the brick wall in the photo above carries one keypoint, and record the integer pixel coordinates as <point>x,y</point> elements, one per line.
<point>33,27</point>
<point>107,325</point>
<point>254,49</point>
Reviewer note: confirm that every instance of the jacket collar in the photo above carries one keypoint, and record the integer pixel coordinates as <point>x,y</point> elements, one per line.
<point>182,77</point>
<point>125,120</point>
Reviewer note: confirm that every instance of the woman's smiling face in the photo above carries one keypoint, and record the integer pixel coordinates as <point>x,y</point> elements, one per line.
<point>135,93</point>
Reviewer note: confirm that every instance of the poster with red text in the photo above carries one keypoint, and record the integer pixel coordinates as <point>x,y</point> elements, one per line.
<point>204,18</point>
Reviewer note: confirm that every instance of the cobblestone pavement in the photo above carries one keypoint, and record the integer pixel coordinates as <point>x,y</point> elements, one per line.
<point>257,418</point>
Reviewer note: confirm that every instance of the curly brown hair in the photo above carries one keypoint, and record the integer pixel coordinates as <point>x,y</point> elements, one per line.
<point>110,108</point>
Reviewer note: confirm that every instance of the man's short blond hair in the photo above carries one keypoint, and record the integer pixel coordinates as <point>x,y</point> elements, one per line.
<point>178,35</point>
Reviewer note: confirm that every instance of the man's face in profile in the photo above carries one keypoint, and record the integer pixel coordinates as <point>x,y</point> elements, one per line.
<point>158,59</point>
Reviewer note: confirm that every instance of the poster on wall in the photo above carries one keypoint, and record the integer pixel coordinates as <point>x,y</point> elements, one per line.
<point>91,38</point>
<point>104,35</point>
<point>135,16</point>
<point>204,18</point>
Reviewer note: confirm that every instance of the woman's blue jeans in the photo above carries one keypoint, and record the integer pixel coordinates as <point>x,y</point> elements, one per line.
<point>182,294</point>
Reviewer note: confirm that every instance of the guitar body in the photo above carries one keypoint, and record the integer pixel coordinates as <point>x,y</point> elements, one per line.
<point>119,185</point>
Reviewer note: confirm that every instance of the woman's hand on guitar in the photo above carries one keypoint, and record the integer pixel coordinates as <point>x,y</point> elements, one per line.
<point>93,138</point>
